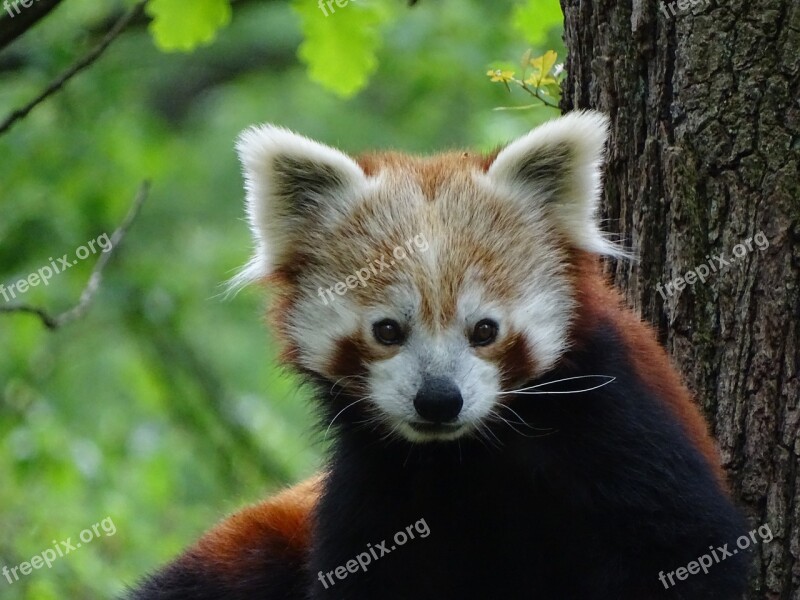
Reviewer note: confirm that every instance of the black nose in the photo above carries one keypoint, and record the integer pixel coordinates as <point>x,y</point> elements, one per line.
<point>438,400</point>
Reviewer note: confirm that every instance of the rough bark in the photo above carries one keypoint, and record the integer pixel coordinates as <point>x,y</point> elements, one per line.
<point>704,154</point>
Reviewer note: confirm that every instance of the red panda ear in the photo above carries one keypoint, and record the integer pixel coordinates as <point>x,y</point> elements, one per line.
<point>292,184</point>
<point>557,167</point>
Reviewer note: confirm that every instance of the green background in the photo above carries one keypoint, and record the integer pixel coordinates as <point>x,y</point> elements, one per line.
<point>163,408</point>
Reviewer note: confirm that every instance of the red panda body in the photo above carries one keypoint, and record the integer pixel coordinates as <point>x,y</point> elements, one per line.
<point>504,427</point>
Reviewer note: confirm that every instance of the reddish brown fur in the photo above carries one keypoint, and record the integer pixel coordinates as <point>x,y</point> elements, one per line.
<point>514,359</point>
<point>284,297</point>
<point>349,358</point>
<point>279,526</point>
<point>429,171</point>
<point>434,176</point>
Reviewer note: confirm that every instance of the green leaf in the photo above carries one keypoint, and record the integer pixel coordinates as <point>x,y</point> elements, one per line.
<point>553,90</point>
<point>181,26</point>
<point>545,62</point>
<point>535,18</point>
<point>542,66</point>
<point>339,49</point>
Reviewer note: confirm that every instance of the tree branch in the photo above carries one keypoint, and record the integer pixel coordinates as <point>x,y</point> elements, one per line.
<point>76,68</point>
<point>12,27</point>
<point>53,322</point>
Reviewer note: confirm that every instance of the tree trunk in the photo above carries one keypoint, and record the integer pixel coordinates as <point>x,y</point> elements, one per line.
<point>703,156</point>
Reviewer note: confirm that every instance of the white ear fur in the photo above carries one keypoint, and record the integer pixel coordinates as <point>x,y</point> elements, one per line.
<point>558,166</point>
<point>289,180</point>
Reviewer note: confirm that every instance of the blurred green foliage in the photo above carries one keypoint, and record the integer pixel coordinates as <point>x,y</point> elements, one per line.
<point>163,408</point>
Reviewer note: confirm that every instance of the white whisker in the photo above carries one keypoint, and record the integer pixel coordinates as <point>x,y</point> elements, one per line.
<point>526,390</point>
<point>521,420</point>
<point>325,437</point>
<point>549,431</point>
<point>342,387</point>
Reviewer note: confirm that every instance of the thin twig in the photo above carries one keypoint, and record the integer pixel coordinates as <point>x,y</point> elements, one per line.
<point>76,68</point>
<point>49,321</point>
<point>95,279</point>
<point>535,94</point>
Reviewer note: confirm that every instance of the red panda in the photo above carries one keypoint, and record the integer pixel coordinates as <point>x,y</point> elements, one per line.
<point>479,377</point>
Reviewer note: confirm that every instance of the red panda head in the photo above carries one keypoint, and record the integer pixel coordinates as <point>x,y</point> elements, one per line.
<point>425,286</point>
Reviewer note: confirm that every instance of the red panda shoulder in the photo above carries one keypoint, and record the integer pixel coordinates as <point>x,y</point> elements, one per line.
<point>599,302</point>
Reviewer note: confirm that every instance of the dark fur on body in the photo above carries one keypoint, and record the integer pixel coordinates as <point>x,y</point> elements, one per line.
<point>604,494</point>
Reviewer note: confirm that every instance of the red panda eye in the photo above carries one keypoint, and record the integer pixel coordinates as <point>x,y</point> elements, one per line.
<point>485,332</point>
<point>388,332</point>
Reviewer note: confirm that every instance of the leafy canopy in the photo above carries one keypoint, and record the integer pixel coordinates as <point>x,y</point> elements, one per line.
<point>340,43</point>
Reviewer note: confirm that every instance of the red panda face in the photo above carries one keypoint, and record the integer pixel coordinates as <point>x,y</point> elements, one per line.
<point>426,287</point>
